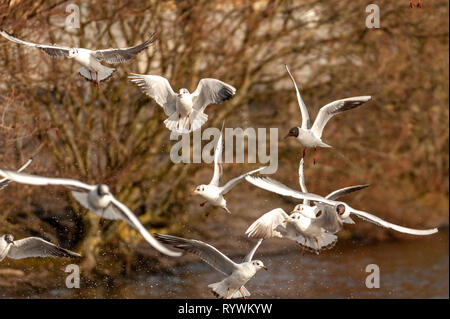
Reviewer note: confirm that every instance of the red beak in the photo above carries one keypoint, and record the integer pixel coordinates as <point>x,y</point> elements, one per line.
<point>287,136</point>
<point>179,95</point>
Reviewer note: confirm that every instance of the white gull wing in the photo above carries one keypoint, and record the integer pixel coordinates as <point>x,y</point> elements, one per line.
<point>133,221</point>
<point>116,56</point>
<point>37,247</point>
<point>378,221</point>
<point>218,167</point>
<point>306,122</point>
<point>5,182</point>
<point>206,252</point>
<point>265,226</point>
<point>301,181</point>
<point>231,183</point>
<point>249,256</point>
<point>274,186</point>
<point>23,178</point>
<point>327,111</point>
<point>158,88</point>
<point>344,191</point>
<point>52,50</point>
<point>211,91</point>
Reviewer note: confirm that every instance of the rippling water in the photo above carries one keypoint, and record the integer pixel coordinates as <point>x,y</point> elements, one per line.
<point>410,268</point>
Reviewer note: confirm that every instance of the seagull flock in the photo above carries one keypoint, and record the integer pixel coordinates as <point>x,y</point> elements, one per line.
<point>313,223</point>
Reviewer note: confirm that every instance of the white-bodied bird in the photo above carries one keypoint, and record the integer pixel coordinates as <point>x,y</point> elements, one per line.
<point>184,109</point>
<point>310,136</point>
<point>213,192</point>
<point>237,274</point>
<point>92,69</point>
<point>313,233</point>
<point>96,198</point>
<point>342,209</point>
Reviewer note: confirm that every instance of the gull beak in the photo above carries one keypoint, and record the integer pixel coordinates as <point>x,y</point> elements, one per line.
<point>285,220</point>
<point>69,57</point>
<point>265,268</point>
<point>179,94</point>
<point>291,212</point>
<point>287,136</point>
<point>193,193</point>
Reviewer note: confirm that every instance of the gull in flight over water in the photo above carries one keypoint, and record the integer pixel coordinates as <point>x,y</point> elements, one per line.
<point>310,136</point>
<point>5,182</point>
<point>96,198</point>
<point>237,274</point>
<point>31,247</point>
<point>304,225</point>
<point>184,109</point>
<point>92,69</point>
<point>342,209</point>
<point>213,192</point>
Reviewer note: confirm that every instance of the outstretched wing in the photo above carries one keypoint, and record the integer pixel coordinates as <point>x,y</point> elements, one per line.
<point>378,221</point>
<point>116,56</point>
<point>231,183</point>
<point>206,252</point>
<point>158,88</point>
<point>336,107</point>
<point>218,167</point>
<point>133,221</point>
<point>344,191</point>
<point>265,226</point>
<point>249,256</point>
<point>274,186</point>
<point>23,178</point>
<point>211,91</point>
<point>306,122</point>
<point>5,182</point>
<point>52,50</point>
<point>37,247</point>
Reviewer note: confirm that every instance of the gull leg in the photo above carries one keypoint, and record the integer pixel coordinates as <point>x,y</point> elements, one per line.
<point>96,76</point>
<point>303,250</point>
<point>419,4</point>
<point>203,204</point>
<point>411,4</point>
<point>243,296</point>
<point>189,118</point>
<point>178,123</point>
<point>314,159</point>
<point>101,221</point>
<point>304,152</point>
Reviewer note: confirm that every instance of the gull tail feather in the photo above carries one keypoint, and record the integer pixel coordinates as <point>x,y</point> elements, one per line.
<point>326,241</point>
<point>221,291</point>
<point>103,75</point>
<point>185,124</point>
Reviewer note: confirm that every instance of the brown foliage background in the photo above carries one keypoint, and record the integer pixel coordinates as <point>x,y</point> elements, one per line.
<point>398,142</point>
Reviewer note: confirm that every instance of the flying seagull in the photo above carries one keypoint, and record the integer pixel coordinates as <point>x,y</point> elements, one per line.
<point>310,136</point>
<point>31,247</point>
<point>237,274</point>
<point>341,208</point>
<point>312,227</point>
<point>184,109</point>
<point>213,192</point>
<point>92,69</point>
<point>5,182</point>
<point>96,198</point>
